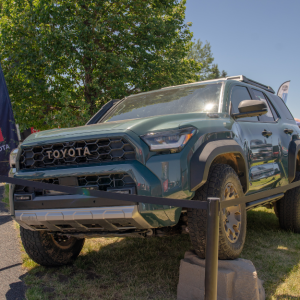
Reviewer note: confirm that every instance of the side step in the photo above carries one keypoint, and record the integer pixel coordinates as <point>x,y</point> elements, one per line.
<point>253,204</point>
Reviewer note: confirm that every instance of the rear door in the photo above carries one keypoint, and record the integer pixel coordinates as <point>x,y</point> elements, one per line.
<point>256,141</point>
<point>287,130</point>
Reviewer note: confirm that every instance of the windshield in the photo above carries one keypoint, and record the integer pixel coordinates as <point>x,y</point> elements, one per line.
<point>183,99</point>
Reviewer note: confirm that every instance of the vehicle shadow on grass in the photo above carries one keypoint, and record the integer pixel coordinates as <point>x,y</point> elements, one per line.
<point>114,268</point>
<point>127,268</point>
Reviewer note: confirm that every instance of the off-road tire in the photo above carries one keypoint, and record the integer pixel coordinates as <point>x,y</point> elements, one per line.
<point>288,209</point>
<point>219,176</point>
<point>41,248</point>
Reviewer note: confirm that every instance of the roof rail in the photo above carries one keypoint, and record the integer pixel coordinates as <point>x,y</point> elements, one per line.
<point>243,78</point>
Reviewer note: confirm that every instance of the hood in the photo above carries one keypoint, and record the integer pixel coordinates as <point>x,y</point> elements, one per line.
<point>138,126</point>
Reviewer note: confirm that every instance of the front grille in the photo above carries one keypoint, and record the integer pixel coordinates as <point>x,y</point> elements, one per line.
<point>74,153</point>
<point>102,181</point>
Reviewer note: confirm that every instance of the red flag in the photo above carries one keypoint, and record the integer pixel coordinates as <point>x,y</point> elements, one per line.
<point>1,136</point>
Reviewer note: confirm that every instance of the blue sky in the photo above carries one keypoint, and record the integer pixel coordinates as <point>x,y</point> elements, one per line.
<point>259,39</point>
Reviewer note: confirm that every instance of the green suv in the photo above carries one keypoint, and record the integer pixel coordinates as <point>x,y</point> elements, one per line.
<point>223,138</point>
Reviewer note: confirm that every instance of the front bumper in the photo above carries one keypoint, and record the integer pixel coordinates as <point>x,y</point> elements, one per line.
<point>53,212</point>
<point>160,176</point>
<point>83,219</point>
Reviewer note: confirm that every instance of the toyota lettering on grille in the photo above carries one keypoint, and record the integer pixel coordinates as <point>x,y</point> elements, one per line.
<point>69,152</point>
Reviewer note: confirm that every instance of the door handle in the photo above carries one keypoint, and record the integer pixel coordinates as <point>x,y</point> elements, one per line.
<point>288,131</point>
<point>266,133</point>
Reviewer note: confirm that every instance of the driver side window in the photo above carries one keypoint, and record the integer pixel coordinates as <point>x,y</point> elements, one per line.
<point>238,94</point>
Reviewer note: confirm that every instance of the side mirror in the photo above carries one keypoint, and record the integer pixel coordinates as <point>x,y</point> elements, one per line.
<point>102,111</point>
<point>251,108</point>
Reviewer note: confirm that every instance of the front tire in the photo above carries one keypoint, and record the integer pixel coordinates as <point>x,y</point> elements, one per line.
<point>288,209</point>
<point>222,183</point>
<point>49,250</point>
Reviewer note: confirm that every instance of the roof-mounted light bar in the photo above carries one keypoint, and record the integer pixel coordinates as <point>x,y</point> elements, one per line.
<point>243,78</point>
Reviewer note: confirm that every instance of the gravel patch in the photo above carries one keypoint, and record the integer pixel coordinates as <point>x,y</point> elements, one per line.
<point>11,285</point>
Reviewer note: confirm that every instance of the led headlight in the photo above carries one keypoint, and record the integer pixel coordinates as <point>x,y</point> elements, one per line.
<point>13,158</point>
<point>173,140</point>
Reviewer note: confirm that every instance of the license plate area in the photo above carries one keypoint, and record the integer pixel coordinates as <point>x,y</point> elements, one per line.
<point>66,181</point>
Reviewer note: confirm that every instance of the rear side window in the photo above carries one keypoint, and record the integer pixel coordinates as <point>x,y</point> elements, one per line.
<point>238,94</point>
<point>281,107</point>
<point>268,117</point>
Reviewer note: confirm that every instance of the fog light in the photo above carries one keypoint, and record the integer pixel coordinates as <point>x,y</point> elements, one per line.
<point>91,187</point>
<point>53,193</point>
<point>23,197</point>
<point>120,191</point>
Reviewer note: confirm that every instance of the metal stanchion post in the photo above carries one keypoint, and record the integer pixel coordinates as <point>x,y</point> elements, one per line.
<point>212,246</point>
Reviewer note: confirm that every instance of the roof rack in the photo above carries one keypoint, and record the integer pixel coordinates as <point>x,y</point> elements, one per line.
<point>243,78</point>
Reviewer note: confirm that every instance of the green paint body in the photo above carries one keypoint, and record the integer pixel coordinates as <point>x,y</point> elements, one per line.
<point>168,175</point>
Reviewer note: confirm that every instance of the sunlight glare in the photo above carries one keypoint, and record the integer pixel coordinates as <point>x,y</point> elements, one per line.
<point>209,106</point>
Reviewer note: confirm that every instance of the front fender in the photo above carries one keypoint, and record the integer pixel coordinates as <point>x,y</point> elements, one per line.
<point>203,157</point>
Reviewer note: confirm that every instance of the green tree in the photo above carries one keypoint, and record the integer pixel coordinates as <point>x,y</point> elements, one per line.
<point>215,72</point>
<point>224,74</point>
<point>64,59</point>
<point>202,54</point>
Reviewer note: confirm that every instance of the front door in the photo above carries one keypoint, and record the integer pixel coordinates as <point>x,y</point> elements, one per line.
<point>257,143</point>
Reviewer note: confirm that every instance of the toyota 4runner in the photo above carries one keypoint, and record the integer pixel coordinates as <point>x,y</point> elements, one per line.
<point>223,138</point>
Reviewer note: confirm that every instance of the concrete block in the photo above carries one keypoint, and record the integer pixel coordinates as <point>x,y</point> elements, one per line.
<point>237,279</point>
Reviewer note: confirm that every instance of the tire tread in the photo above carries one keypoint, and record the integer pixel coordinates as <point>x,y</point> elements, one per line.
<point>289,209</point>
<point>197,218</point>
<point>41,249</point>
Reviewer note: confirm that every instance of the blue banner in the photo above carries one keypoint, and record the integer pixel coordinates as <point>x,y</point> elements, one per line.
<point>284,90</point>
<point>8,131</point>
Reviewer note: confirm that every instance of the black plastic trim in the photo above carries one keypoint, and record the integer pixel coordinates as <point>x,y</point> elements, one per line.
<point>152,200</point>
<point>253,204</point>
<point>204,156</point>
<point>244,79</point>
<point>260,85</point>
<point>294,148</point>
<point>68,201</point>
<point>249,114</point>
<point>102,111</point>
<point>106,195</point>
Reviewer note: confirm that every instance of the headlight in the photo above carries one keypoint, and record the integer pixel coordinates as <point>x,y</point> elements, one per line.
<point>13,158</point>
<point>173,140</point>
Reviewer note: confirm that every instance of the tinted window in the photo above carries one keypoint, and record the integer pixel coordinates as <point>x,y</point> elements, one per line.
<point>238,94</point>
<point>275,115</point>
<point>184,99</point>
<point>268,117</point>
<point>281,107</point>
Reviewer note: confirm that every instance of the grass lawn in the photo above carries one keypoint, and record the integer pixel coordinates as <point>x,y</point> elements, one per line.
<point>127,268</point>
<point>5,196</point>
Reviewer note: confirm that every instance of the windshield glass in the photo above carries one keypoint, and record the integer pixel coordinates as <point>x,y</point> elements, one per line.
<point>183,99</point>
